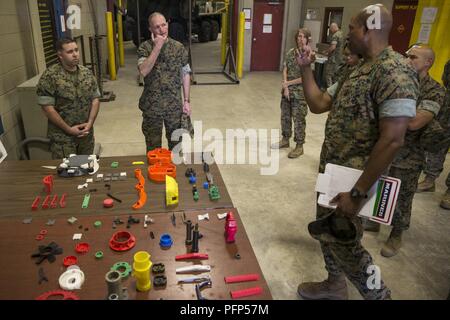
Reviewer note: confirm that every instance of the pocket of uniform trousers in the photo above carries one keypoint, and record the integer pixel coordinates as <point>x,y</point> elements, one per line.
<point>186,124</point>
<point>433,138</point>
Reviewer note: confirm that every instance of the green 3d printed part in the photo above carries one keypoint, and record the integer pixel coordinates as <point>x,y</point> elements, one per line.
<point>214,193</point>
<point>86,200</point>
<point>123,268</point>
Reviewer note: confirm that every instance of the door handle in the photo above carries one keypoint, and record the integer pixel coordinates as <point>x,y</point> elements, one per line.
<point>254,39</point>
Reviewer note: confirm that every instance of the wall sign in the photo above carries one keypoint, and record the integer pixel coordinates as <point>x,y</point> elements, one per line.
<point>312,14</point>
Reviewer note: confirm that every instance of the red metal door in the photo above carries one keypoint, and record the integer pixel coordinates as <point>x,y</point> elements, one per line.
<point>267,35</point>
<point>403,14</point>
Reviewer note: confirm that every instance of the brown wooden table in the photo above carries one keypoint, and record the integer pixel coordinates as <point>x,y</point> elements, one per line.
<point>21,182</point>
<point>19,276</point>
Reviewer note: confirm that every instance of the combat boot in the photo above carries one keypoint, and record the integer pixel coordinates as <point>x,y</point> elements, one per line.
<point>445,202</point>
<point>393,244</point>
<point>333,288</point>
<point>427,185</point>
<point>284,143</point>
<point>297,152</point>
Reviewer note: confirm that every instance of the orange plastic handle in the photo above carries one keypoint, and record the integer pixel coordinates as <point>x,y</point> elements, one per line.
<point>140,177</point>
<point>140,187</point>
<point>142,200</point>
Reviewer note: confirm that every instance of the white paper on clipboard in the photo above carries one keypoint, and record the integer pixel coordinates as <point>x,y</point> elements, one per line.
<point>382,197</point>
<point>3,153</point>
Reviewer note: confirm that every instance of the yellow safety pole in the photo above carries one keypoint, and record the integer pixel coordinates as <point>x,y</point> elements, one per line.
<point>111,54</point>
<point>240,46</point>
<point>120,32</point>
<point>224,37</point>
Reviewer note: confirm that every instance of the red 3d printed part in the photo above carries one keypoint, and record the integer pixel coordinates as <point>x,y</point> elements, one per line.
<point>122,241</point>
<point>108,203</point>
<point>140,188</point>
<point>46,203</point>
<point>35,204</point>
<point>54,202</point>
<point>159,155</point>
<point>159,171</point>
<point>242,278</point>
<point>189,256</point>
<point>230,228</point>
<point>82,248</point>
<point>62,201</point>
<point>48,184</point>
<point>69,261</point>
<point>65,295</point>
<point>246,292</point>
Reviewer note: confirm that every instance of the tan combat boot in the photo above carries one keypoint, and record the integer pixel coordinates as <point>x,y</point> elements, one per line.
<point>445,202</point>
<point>427,185</point>
<point>297,152</point>
<point>393,244</point>
<point>284,143</point>
<point>333,288</point>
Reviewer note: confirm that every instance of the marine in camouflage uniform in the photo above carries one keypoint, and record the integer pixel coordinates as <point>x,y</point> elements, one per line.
<point>409,162</point>
<point>381,88</point>
<point>435,161</point>
<point>161,101</point>
<point>71,94</point>
<point>367,95</point>
<point>335,58</point>
<point>295,108</point>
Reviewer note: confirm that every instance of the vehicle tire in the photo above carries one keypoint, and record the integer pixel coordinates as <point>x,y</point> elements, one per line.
<point>205,31</point>
<point>177,32</point>
<point>215,29</point>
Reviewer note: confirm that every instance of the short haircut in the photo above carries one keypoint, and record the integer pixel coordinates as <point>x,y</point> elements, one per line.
<point>61,42</point>
<point>154,14</point>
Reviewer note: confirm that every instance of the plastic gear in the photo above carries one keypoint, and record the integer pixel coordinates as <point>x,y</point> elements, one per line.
<point>66,295</point>
<point>123,268</point>
<point>122,241</point>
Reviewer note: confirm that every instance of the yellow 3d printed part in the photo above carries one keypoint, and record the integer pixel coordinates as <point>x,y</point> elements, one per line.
<point>141,271</point>
<point>171,191</point>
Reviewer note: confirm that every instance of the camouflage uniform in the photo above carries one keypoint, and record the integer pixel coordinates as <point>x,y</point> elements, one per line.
<point>386,88</point>
<point>410,159</point>
<point>335,59</point>
<point>294,108</point>
<point>435,161</point>
<point>71,93</point>
<point>161,100</point>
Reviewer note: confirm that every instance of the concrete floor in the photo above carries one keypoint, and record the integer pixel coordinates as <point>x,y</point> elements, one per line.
<point>277,209</point>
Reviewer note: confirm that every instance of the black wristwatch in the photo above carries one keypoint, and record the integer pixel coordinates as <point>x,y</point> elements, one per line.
<point>356,194</point>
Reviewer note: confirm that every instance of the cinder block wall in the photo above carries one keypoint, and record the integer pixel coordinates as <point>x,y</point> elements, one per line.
<point>17,64</point>
<point>22,57</point>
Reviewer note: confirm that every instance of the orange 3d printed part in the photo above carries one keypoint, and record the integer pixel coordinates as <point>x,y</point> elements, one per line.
<point>159,155</point>
<point>140,188</point>
<point>159,171</point>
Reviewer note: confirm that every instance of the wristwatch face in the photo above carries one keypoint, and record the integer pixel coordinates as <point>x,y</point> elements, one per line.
<point>354,193</point>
